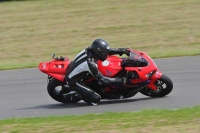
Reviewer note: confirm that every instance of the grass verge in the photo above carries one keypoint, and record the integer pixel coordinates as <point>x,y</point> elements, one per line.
<point>30,31</point>
<point>185,120</point>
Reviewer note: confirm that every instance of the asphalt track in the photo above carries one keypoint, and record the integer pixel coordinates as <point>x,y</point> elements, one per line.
<point>23,92</point>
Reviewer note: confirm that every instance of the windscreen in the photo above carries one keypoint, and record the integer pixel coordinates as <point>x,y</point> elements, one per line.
<point>134,56</point>
<point>135,60</point>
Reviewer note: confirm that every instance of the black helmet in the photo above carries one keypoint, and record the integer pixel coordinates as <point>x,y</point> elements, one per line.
<point>100,49</point>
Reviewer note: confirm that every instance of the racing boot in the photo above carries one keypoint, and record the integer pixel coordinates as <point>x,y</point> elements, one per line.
<point>87,94</point>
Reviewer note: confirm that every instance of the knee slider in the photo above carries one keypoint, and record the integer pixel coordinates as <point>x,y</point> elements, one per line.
<point>88,93</point>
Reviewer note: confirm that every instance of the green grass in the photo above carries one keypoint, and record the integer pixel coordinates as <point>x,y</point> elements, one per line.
<point>30,31</point>
<point>185,120</point>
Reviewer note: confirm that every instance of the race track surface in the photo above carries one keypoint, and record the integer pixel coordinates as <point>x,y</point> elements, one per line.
<point>23,92</point>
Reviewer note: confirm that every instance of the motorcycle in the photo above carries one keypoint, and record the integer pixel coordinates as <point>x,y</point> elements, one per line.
<point>147,80</point>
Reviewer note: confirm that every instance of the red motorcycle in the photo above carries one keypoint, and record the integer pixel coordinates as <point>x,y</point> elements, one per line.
<point>147,80</point>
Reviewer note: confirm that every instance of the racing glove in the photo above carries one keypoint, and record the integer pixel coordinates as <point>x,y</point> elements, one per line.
<point>119,51</point>
<point>124,51</point>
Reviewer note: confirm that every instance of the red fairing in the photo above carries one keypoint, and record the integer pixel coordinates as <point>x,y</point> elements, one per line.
<point>55,68</point>
<point>111,66</point>
<point>155,77</point>
<point>143,71</point>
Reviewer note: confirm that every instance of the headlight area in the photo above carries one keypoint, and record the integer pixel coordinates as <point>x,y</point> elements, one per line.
<point>149,75</point>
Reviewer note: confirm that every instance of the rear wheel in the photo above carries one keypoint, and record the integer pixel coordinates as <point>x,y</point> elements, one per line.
<point>164,86</point>
<point>61,93</point>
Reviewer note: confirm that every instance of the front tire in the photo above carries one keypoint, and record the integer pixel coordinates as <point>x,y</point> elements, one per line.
<point>164,86</point>
<point>59,92</point>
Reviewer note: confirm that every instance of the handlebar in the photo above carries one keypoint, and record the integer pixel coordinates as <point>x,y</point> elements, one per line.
<point>58,58</point>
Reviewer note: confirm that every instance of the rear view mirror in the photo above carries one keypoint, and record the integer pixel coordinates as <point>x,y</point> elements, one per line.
<point>53,56</point>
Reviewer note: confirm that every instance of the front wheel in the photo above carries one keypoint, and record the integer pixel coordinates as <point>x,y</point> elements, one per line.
<point>164,86</point>
<point>59,92</point>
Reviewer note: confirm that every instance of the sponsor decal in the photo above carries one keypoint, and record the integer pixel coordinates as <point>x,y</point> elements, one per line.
<point>158,74</point>
<point>44,66</point>
<point>105,63</point>
<point>108,72</point>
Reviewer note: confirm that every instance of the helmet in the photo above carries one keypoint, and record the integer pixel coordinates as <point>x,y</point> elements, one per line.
<point>100,49</point>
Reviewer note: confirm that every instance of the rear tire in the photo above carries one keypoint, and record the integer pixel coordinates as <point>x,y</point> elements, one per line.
<point>60,93</point>
<point>164,86</point>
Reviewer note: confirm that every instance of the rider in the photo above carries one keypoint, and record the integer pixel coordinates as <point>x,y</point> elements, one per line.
<point>86,62</point>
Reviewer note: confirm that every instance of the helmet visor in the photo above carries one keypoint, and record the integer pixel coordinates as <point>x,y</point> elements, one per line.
<point>104,53</point>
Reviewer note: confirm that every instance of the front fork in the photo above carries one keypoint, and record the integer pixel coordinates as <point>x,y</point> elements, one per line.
<point>153,79</point>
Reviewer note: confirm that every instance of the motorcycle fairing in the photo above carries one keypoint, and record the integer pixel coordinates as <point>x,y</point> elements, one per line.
<point>111,66</point>
<point>55,68</point>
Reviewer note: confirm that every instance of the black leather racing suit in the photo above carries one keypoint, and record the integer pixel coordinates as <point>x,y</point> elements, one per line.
<point>81,66</point>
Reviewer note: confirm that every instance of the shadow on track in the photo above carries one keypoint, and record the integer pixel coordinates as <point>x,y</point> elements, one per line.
<point>83,104</point>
